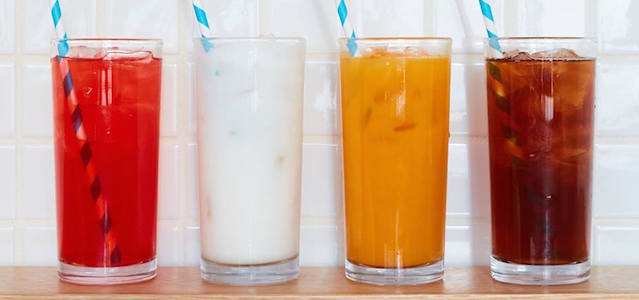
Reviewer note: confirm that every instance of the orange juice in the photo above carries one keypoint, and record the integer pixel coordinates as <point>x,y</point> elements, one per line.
<point>395,107</point>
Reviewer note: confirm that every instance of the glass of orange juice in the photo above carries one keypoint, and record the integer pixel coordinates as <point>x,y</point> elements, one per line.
<point>395,106</point>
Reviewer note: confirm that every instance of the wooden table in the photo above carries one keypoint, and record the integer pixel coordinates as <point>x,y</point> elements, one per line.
<point>185,283</point>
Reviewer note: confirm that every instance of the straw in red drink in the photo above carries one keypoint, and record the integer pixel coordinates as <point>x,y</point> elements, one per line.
<point>111,249</point>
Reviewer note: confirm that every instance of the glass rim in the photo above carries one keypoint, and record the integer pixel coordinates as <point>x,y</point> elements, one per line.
<point>260,38</point>
<point>399,38</point>
<point>542,38</point>
<point>116,40</point>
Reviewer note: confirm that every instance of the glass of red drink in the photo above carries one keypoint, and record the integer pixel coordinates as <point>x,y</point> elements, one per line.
<point>540,117</point>
<point>106,106</point>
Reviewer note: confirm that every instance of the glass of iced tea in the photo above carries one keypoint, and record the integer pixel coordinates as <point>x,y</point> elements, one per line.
<point>540,117</point>
<point>395,105</point>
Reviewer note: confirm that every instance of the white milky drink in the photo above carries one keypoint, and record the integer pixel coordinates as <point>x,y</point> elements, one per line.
<point>249,95</point>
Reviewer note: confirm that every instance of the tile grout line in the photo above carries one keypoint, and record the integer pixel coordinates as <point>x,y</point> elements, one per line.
<point>263,17</point>
<point>18,238</point>
<point>182,129</point>
<point>100,20</point>
<point>429,19</point>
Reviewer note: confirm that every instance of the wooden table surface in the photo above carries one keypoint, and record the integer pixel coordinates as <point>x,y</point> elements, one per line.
<point>185,283</point>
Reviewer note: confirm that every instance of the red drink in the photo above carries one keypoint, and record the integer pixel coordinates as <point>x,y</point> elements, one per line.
<point>119,101</point>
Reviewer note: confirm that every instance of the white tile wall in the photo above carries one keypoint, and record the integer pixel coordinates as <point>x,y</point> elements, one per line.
<point>169,243</point>
<point>233,18</point>
<point>377,18</point>
<point>320,245</point>
<point>7,25</point>
<point>6,246</point>
<point>39,245</point>
<point>322,194</point>
<point>468,112</point>
<point>38,182</point>
<point>8,182</point>
<point>148,19</point>
<point>7,100</point>
<point>618,23</point>
<point>192,245</point>
<point>550,17</point>
<point>168,126</point>
<point>168,181</point>
<point>616,173</point>
<point>36,27</point>
<point>467,243</point>
<point>191,203</point>
<point>320,98</point>
<point>462,20</point>
<point>616,244</point>
<point>27,231</point>
<point>313,19</point>
<point>468,184</point>
<point>616,114</point>
<point>37,104</point>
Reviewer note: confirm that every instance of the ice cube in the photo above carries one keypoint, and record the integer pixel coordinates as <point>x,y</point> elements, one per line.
<point>561,53</point>
<point>517,55</point>
<point>375,52</point>
<point>86,52</point>
<point>414,52</point>
<point>140,55</point>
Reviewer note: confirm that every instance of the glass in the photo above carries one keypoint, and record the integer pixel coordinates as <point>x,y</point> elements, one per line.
<point>249,94</point>
<point>106,132</point>
<point>395,106</point>
<point>540,116</point>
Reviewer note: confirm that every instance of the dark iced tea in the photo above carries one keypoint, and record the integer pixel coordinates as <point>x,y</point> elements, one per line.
<point>540,112</point>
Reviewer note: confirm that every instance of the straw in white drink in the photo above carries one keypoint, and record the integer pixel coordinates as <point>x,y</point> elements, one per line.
<point>203,22</point>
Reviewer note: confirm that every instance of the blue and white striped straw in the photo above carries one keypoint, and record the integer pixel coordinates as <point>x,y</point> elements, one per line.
<point>203,22</point>
<point>63,50</point>
<point>56,14</point>
<point>92,177</point>
<point>489,21</point>
<point>349,30</point>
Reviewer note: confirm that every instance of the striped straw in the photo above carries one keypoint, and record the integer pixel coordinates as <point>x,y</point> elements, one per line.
<point>85,149</point>
<point>203,22</point>
<point>489,21</point>
<point>512,145</point>
<point>349,30</point>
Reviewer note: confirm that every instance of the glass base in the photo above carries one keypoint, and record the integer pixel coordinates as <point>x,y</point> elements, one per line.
<point>538,274</point>
<point>107,276</point>
<point>264,274</point>
<point>393,276</point>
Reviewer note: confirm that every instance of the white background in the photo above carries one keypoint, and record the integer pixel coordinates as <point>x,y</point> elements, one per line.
<point>27,200</point>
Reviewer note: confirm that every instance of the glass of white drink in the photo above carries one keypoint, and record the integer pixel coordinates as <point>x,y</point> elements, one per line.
<point>249,94</point>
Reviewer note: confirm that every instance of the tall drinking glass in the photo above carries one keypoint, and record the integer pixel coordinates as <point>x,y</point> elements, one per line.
<point>540,117</point>
<point>395,105</point>
<point>106,106</point>
<point>249,95</point>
